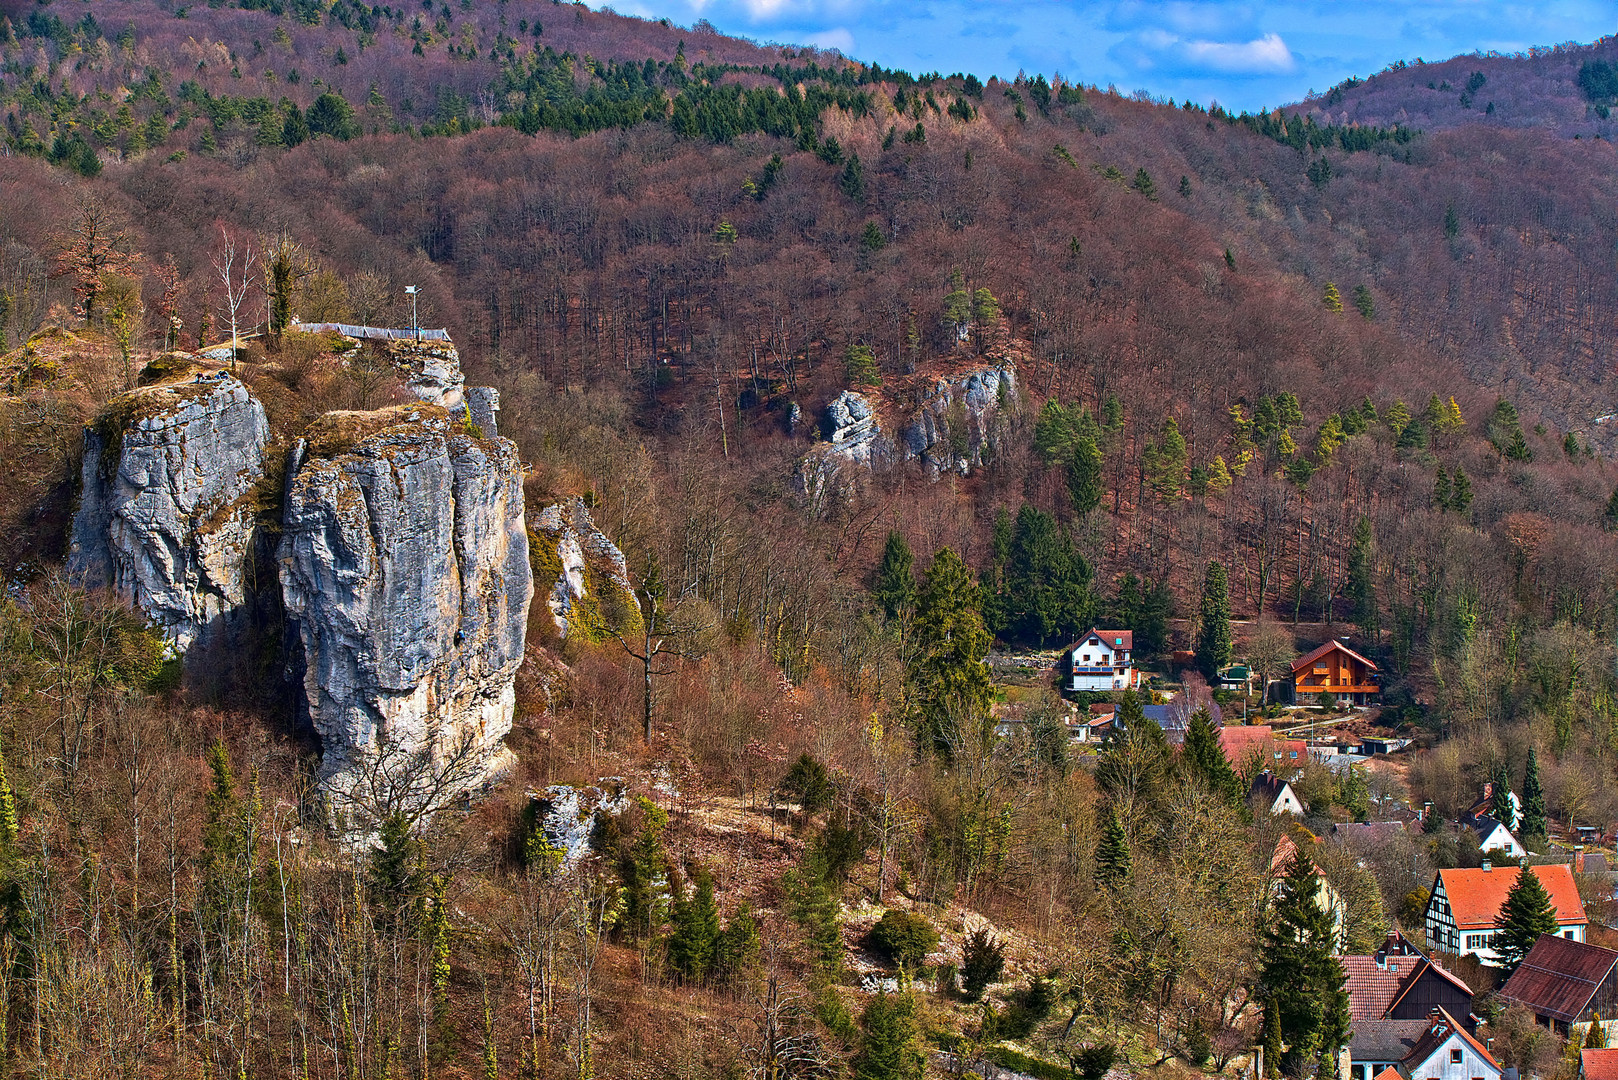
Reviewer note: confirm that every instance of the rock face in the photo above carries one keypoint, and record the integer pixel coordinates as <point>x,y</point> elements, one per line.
<point>565,816</point>
<point>167,515</point>
<point>404,561</point>
<point>951,429</point>
<point>591,583</point>
<point>432,370</point>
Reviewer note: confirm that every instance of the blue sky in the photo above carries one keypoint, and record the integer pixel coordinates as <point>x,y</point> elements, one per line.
<point>1242,54</point>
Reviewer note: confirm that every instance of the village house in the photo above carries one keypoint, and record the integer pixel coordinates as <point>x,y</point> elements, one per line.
<point>1443,1050</point>
<point>1493,837</point>
<point>1463,912</point>
<point>1102,661</point>
<point>1253,748</point>
<point>1598,1064</point>
<point>1092,725</point>
<point>1566,984</point>
<point>1485,804</point>
<point>1327,898</point>
<point>1274,794</point>
<point>1335,669</point>
<point>1391,994</point>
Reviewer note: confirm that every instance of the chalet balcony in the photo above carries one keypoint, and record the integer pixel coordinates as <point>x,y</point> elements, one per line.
<point>1097,671</point>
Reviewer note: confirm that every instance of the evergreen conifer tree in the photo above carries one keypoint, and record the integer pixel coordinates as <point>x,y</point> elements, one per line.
<point>1500,807</point>
<point>895,587</point>
<point>1273,1046</point>
<point>1364,302</point>
<point>1533,800</point>
<point>1301,974</point>
<point>1460,496</point>
<point>889,1037</point>
<point>694,941</point>
<point>1570,445</point>
<point>1135,761</point>
<point>1526,914</point>
<point>1333,299</point>
<point>950,679</point>
<point>1165,462</point>
<point>1112,852</point>
<point>1441,490</point>
<point>1609,516</point>
<point>1085,484</point>
<point>1397,418</point>
<point>1213,630</point>
<point>1596,1037</point>
<point>1203,758</point>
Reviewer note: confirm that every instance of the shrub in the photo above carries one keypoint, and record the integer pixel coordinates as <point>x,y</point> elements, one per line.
<point>903,937</point>
<point>983,959</point>
<point>1094,1061</point>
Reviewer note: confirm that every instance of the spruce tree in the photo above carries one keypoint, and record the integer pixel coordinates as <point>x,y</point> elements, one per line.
<point>1364,302</point>
<point>1135,761</point>
<point>1533,800</point>
<point>1213,630</point>
<point>1113,860</point>
<point>889,1038</point>
<point>1500,807</point>
<point>1273,1046</point>
<point>950,680</point>
<point>1085,484</point>
<point>1526,914</point>
<point>1203,758</point>
<point>1441,490</point>
<point>694,941</point>
<point>1301,975</point>
<point>895,587</point>
<point>1460,497</point>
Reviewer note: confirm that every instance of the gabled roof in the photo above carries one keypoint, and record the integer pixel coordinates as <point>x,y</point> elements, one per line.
<point>1598,1064</point>
<point>1423,968</point>
<point>1378,982</point>
<point>1390,1073</point>
<point>1268,786</point>
<point>1559,976</point>
<point>1112,639</point>
<point>1384,1040</point>
<point>1321,650</point>
<point>1475,895</point>
<point>1439,1030</point>
<point>1239,741</point>
<point>1484,826</point>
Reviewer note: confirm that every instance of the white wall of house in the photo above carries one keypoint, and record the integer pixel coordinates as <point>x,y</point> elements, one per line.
<point>1501,840</point>
<point>1443,934</point>
<point>1099,664</point>
<point>1455,1059</point>
<point>1287,802</point>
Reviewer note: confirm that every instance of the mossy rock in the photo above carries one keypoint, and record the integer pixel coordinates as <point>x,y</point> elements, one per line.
<point>171,367</point>
<point>338,433</point>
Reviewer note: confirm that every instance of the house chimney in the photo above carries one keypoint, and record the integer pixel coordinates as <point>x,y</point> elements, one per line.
<point>1487,866</point>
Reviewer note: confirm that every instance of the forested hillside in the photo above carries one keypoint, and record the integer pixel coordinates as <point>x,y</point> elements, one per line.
<point>1338,370</point>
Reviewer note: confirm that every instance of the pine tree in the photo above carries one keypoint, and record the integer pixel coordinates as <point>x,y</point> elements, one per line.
<point>694,940</point>
<point>1526,914</point>
<point>1596,1037</point>
<point>853,178</point>
<point>1165,462</point>
<point>1185,187</point>
<point>895,587</point>
<point>1361,587</point>
<point>1333,299</point>
<point>1533,800</point>
<point>1397,418</point>
<point>1085,483</point>
<point>1441,490</point>
<point>1301,974</point>
<point>1113,860</point>
<point>950,679</point>
<point>1213,630</point>
<point>889,1037</point>
<point>1143,184</point>
<point>1570,445</point>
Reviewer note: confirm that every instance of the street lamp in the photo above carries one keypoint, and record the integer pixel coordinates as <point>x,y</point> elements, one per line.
<point>411,289</point>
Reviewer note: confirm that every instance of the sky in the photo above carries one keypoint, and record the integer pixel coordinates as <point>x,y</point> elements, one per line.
<point>1244,55</point>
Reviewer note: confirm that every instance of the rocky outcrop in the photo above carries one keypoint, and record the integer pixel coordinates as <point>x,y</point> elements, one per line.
<point>404,562</point>
<point>565,816</point>
<point>950,429</point>
<point>172,486</point>
<point>432,370</point>
<point>589,586</point>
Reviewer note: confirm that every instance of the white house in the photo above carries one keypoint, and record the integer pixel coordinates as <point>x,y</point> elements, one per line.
<point>1101,661</point>
<point>1494,838</point>
<point>1464,911</point>
<point>1275,793</point>
<point>1445,1050</point>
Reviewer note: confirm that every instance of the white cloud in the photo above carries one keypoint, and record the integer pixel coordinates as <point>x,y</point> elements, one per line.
<point>836,38</point>
<point>1267,55</point>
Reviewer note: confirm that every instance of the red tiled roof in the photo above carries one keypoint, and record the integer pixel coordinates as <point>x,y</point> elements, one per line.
<point>1239,741</point>
<point>1598,1064</point>
<point>1371,989</point>
<point>1390,1073</point>
<point>1112,639</point>
<point>1558,977</point>
<point>1475,895</point>
<point>1316,653</point>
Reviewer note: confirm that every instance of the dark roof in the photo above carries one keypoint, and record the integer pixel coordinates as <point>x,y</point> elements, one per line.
<point>1112,639</point>
<point>1415,977</point>
<point>1268,785</point>
<point>1599,1064</point>
<point>1559,976</point>
<point>1438,1031</point>
<point>1378,982</point>
<point>1369,830</point>
<point>1316,653</point>
<point>1384,1040</point>
<point>1482,824</point>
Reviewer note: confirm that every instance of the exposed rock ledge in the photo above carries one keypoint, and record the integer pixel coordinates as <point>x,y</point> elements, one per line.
<point>588,577</point>
<point>167,514</point>
<point>404,561</point>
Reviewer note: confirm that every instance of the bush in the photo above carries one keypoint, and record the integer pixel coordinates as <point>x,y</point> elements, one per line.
<point>1028,1007</point>
<point>1094,1061</point>
<point>904,938</point>
<point>983,959</point>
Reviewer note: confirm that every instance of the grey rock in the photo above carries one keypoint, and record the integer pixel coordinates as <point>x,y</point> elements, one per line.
<point>565,816</point>
<point>432,370</point>
<point>580,548</point>
<point>167,517</point>
<point>483,409</point>
<point>404,562</point>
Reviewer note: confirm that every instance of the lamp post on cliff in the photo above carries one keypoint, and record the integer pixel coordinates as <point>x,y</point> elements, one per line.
<point>416,330</point>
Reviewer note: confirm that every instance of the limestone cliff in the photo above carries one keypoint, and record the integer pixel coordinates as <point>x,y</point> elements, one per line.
<point>172,479</point>
<point>948,423</point>
<point>404,562</point>
<point>588,579</point>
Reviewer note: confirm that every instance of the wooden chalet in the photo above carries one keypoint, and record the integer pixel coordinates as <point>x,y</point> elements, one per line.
<point>1335,669</point>
<point>1565,983</point>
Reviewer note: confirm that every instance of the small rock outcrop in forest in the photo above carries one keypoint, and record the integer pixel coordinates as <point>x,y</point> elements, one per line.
<point>948,425</point>
<point>588,579</point>
<point>405,564</point>
<point>172,479</point>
